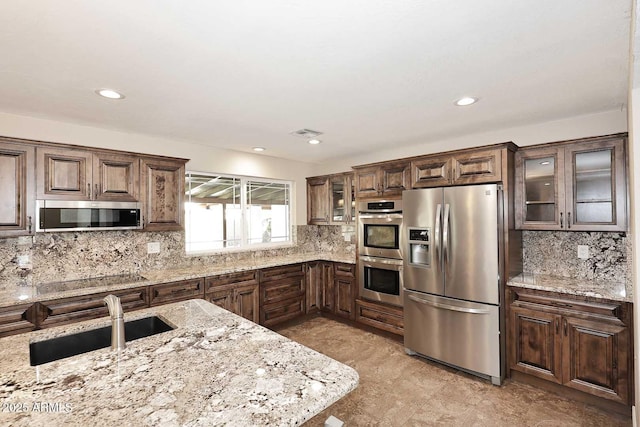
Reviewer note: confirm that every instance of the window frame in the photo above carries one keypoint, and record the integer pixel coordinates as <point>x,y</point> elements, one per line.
<point>244,229</point>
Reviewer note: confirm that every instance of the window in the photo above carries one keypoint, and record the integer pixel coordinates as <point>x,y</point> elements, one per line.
<point>226,212</point>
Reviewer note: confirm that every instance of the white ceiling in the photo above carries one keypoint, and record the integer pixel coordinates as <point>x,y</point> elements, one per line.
<point>367,73</point>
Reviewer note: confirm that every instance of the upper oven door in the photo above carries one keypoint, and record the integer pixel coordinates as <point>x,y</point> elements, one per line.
<point>379,235</point>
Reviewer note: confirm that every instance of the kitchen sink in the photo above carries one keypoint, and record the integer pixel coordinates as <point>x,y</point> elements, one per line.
<point>83,342</point>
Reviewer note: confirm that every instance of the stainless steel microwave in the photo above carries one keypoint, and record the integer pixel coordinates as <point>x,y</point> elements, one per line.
<point>68,215</point>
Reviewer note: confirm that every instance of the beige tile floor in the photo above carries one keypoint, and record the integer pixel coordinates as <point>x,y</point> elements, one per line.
<point>399,390</point>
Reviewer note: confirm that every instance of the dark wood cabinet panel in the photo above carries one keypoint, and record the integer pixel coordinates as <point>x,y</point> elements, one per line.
<point>431,172</point>
<point>573,341</point>
<point>116,177</point>
<point>313,285</point>
<point>176,291</point>
<point>64,173</point>
<point>162,187</point>
<point>16,319</point>
<point>344,290</point>
<point>236,292</point>
<point>17,192</point>
<point>318,200</point>
<point>282,293</point>
<point>596,358</point>
<point>477,167</point>
<point>76,309</point>
<point>578,185</point>
<point>385,179</point>
<point>327,290</point>
<point>536,344</point>
<point>381,316</point>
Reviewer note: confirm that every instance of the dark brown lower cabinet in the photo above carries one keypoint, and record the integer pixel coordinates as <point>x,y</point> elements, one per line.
<point>181,290</point>
<point>577,342</point>
<point>382,316</point>
<point>282,293</point>
<point>76,309</point>
<point>344,290</point>
<point>16,319</point>
<point>236,292</point>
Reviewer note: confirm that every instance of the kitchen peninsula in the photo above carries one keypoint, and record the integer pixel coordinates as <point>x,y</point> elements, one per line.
<point>215,368</point>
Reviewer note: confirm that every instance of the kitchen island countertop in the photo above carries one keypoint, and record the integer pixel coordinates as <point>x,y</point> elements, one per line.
<point>215,368</point>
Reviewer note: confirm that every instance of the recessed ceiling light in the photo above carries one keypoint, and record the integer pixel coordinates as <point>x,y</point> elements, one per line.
<point>545,163</point>
<point>547,184</point>
<point>314,141</point>
<point>258,149</point>
<point>467,100</point>
<point>110,93</point>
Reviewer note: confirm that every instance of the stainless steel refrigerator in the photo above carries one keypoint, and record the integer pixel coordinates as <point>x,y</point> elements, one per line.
<point>451,264</point>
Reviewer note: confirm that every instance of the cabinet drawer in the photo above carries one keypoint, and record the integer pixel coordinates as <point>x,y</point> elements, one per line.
<point>277,273</point>
<point>13,320</point>
<point>380,316</point>
<point>177,291</point>
<point>226,279</point>
<point>345,270</point>
<point>292,287</point>
<point>282,311</point>
<point>77,309</point>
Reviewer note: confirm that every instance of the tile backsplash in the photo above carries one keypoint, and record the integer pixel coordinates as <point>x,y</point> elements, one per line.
<point>556,253</point>
<point>52,257</point>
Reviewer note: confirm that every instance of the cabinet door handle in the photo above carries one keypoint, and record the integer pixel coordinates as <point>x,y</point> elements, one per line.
<point>29,223</point>
<point>560,219</point>
<point>97,192</point>
<point>88,189</point>
<point>565,327</point>
<point>568,219</point>
<point>557,326</point>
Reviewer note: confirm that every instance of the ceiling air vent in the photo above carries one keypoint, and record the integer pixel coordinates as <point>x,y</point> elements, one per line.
<point>306,133</point>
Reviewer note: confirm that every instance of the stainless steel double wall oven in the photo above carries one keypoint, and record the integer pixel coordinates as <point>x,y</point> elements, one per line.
<point>379,254</point>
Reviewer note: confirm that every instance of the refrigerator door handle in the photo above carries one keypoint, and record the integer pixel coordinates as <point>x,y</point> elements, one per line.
<point>449,307</point>
<point>445,233</point>
<point>438,237</point>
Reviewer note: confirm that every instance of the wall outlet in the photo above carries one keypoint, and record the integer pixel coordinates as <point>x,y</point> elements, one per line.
<point>153,247</point>
<point>583,251</point>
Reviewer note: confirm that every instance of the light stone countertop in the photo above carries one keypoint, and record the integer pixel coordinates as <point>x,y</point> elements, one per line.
<point>216,368</point>
<point>21,291</point>
<point>615,291</point>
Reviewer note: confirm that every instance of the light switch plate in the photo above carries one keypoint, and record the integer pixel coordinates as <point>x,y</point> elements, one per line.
<point>583,251</point>
<point>153,247</point>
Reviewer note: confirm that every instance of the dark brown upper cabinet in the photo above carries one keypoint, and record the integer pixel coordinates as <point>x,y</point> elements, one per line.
<point>17,192</point>
<point>71,174</point>
<point>472,167</point>
<point>578,185</point>
<point>162,187</point>
<point>386,179</point>
<point>331,199</point>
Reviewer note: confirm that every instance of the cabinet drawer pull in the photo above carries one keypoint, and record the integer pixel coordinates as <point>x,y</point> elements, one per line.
<point>29,223</point>
<point>565,327</point>
<point>88,189</point>
<point>97,192</point>
<point>568,219</point>
<point>557,326</point>
<point>560,219</point>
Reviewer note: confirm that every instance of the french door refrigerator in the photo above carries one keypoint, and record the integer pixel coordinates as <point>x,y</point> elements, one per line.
<point>451,270</point>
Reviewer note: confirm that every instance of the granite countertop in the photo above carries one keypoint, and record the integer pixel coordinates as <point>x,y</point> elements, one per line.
<point>215,368</point>
<point>596,288</point>
<point>17,291</point>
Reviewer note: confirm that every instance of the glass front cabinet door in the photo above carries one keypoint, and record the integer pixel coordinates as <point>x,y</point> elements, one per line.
<point>579,186</point>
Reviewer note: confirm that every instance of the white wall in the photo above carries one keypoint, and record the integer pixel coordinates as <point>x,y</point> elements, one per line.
<point>575,127</point>
<point>202,158</point>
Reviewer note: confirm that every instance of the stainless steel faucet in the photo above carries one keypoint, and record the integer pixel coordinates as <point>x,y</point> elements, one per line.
<point>117,322</point>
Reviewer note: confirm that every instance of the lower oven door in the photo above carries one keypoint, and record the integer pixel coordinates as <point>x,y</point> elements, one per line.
<point>380,279</point>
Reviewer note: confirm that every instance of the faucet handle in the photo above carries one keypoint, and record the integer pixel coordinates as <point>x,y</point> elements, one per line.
<point>114,306</point>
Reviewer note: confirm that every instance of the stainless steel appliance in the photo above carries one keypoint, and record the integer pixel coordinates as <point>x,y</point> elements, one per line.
<point>450,237</point>
<point>63,215</point>
<point>379,254</point>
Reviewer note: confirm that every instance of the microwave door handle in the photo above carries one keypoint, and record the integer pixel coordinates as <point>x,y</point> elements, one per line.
<point>445,234</point>
<point>438,237</point>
